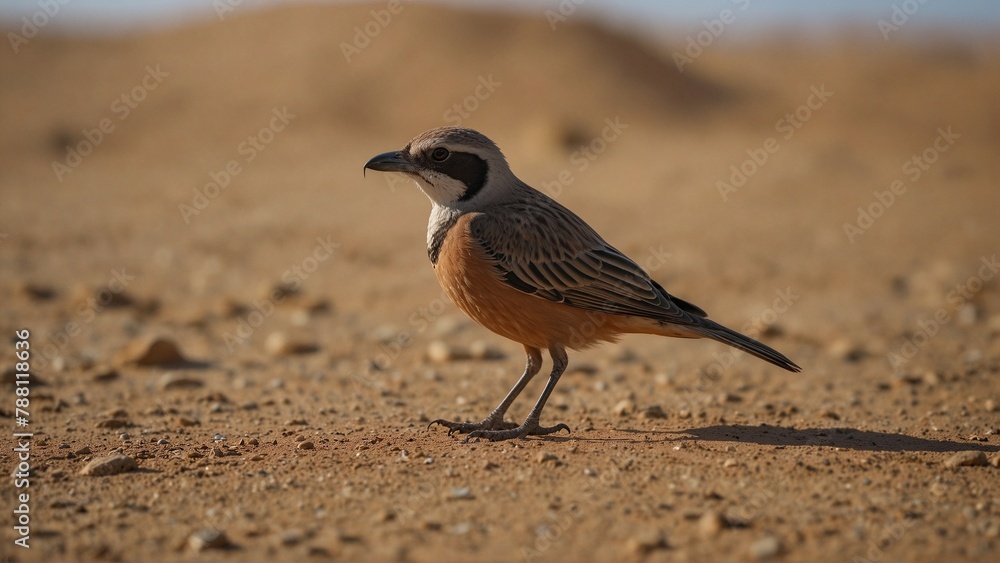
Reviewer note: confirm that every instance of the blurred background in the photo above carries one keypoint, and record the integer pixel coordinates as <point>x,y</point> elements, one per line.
<point>206,145</point>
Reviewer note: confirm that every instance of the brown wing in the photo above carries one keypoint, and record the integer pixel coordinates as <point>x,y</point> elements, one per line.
<point>542,248</point>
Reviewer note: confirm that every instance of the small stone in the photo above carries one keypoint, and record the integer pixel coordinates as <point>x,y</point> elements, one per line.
<point>545,457</point>
<point>441,352</point>
<point>307,445</point>
<point>966,459</point>
<point>711,524</point>
<point>461,493</point>
<point>104,375</point>
<point>150,351</point>
<point>972,356</point>
<point>291,537</point>
<point>185,421</point>
<point>765,548</point>
<point>195,455</point>
<point>83,451</point>
<point>845,350</point>
<point>624,407</point>
<point>990,405</point>
<point>178,380</point>
<point>653,411</point>
<point>296,422</point>
<point>37,292</point>
<point>217,452</point>
<point>282,344</point>
<point>995,460</point>
<point>109,465</point>
<point>112,423</point>
<point>730,462</point>
<point>481,350</point>
<point>209,538</point>
<point>967,315</point>
<point>646,541</point>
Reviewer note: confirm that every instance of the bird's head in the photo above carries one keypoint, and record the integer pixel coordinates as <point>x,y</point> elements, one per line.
<point>456,167</point>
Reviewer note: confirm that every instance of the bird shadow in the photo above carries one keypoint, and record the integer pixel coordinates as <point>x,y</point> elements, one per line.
<point>839,437</point>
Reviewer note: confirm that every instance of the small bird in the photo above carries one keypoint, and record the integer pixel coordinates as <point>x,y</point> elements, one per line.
<point>527,268</point>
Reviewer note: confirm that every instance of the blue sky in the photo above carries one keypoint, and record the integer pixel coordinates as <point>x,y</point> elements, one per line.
<point>978,17</point>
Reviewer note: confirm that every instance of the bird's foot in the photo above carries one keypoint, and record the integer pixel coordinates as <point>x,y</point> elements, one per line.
<point>530,427</point>
<point>493,422</point>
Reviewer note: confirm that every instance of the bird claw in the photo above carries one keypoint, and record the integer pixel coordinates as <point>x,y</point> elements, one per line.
<point>526,429</point>
<point>488,424</point>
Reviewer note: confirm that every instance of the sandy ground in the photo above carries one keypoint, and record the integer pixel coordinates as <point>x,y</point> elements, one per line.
<point>203,186</point>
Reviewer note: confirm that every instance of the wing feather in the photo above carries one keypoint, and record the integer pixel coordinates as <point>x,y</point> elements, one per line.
<point>541,248</point>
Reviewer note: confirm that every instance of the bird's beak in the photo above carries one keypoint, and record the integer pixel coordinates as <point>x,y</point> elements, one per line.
<point>390,162</point>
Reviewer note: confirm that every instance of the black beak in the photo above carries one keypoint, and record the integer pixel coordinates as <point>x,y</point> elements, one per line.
<point>390,162</point>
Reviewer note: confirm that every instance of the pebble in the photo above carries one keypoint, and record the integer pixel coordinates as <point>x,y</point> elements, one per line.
<point>217,452</point>
<point>730,462</point>
<point>461,493</point>
<point>112,423</point>
<point>104,375</point>
<point>966,459</point>
<point>481,350</point>
<point>844,349</point>
<point>282,344</point>
<point>653,411</point>
<point>185,421</point>
<point>624,407</point>
<point>990,405</point>
<point>646,541</point>
<point>178,381</point>
<point>711,524</point>
<point>150,352</point>
<point>307,445</point>
<point>995,460</point>
<point>37,292</point>
<point>967,315</point>
<point>209,538</point>
<point>765,548</point>
<point>109,465</point>
<point>441,352</point>
<point>546,457</point>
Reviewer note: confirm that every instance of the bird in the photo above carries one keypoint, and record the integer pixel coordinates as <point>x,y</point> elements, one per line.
<point>527,268</point>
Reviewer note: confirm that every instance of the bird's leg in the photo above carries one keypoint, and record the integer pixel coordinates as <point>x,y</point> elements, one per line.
<point>495,420</point>
<point>530,426</point>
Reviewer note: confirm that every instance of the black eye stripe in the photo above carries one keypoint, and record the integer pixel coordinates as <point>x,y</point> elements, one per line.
<point>464,167</point>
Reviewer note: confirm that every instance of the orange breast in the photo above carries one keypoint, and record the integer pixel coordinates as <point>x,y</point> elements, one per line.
<point>470,280</point>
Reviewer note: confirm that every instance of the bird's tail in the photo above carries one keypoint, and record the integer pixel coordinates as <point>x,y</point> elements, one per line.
<point>717,332</point>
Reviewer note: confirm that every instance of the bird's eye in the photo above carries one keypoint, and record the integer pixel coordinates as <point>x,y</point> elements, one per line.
<point>440,154</point>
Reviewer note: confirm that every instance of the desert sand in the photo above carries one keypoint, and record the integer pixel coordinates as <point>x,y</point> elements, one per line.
<point>201,187</point>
